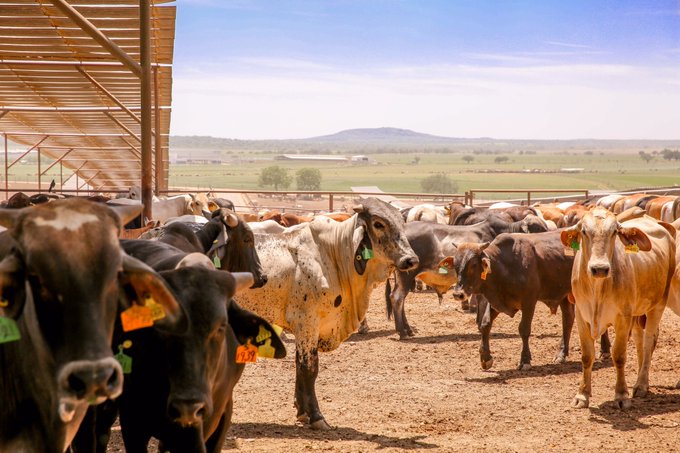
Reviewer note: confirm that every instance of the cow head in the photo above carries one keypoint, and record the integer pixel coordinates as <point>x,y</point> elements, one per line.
<point>533,224</point>
<point>235,247</point>
<point>200,205</point>
<point>379,233</point>
<point>64,279</point>
<point>472,267</point>
<point>203,355</point>
<point>595,236</point>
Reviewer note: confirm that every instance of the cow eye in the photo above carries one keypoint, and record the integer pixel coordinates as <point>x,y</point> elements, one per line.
<point>378,225</point>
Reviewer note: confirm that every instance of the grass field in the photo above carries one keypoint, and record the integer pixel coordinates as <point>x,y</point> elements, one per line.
<point>399,173</point>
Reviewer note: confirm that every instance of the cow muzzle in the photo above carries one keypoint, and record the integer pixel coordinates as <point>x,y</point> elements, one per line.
<point>408,262</point>
<point>186,412</point>
<point>459,294</point>
<point>93,381</point>
<point>600,270</point>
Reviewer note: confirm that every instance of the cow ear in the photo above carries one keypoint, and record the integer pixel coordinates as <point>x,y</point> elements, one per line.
<point>142,283</point>
<point>9,217</point>
<point>635,236</point>
<point>212,206</point>
<point>218,248</point>
<point>447,263</point>
<point>670,228</point>
<point>363,249</point>
<point>486,265</point>
<point>570,236</point>
<point>249,327</point>
<point>12,286</point>
<point>127,213</point>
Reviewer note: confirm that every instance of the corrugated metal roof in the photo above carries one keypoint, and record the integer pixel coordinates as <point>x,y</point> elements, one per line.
<point>62,91</point>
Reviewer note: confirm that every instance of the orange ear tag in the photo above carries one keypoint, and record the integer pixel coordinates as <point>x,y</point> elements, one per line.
<point>246,353</point>
<point>136,317</point>
<point>484,275</point>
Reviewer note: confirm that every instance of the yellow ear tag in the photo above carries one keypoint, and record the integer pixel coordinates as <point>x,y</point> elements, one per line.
<point>4,303</point>
<point>632,248</point>
<point>262,335</point>
<point>277,329</point>
<point>266,350</point>
<point>157,310</point>
<point>136,317</point>
<point>484,274</point>
<point>246,353</point>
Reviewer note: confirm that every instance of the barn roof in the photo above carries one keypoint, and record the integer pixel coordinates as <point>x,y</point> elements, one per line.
<point>66,93</point>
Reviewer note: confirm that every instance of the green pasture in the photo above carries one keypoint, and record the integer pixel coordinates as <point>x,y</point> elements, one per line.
<point>400,173</point>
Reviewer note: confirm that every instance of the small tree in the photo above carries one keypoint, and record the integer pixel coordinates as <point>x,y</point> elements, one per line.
<point>646,157</point>
<point>308,179</point>
<point>438,183</point>
<point>501,159</point>
<point>275,176</point>
<point>468,158</point>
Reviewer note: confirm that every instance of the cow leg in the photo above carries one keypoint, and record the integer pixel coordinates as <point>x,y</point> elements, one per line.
<point>568,314</point>
<point>622,327</point>
<point>525,332</point>
<point>397,299</point>
<point>582,398</point>
<point>216,440</point>
<point>307,369</point>
<point>363,327</point>
<point>651,335</point>
<point>485,316</point>
<point>605,347</point>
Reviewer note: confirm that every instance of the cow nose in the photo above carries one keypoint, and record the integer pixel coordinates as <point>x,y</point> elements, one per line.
<point>92,380</point>
<point>459,294</point>
<point>599,270</point>
<point>186,412</point>
<point>408,262</point>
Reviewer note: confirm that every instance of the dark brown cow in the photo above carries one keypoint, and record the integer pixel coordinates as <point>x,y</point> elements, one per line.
<point>512,273</point>
<point>62,279</point>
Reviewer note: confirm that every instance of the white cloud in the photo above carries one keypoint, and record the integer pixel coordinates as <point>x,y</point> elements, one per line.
<point>520,101</point>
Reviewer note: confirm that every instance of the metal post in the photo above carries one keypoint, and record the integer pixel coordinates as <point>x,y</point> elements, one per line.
<point>145,87</point>
<point>528,198</point>
<point>330,202</point>
<point>61,175</point>
<point>158,139</point>
<point>6,170</point>
<point>39,176</point>
<point>77,184</point>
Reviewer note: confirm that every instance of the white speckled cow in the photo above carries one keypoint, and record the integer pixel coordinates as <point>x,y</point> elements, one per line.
<point>622,282</point>
<point>321,275</point>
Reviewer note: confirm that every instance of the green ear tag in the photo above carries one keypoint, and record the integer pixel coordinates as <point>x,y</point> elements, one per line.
<point>124,359</point>
<point>217,262</point>
<point>575,245</point>
<point>443,270</point>
<point>367,253</point>
<point>9,331</point>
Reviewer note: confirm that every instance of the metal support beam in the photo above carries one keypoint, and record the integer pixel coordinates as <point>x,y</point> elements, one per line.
<point>158,139</point>
<point>22,108</point>
<point>75,173</point>
<point>3,113</point>
<point>90,179</point>
<point>6,170</point>
<point>30,149</point>
<point>123,126</point>
<point>145,86</point>
<point>109,94</point>
<point>58,161</point>
<point>39,175</point>
<point>98,36</point>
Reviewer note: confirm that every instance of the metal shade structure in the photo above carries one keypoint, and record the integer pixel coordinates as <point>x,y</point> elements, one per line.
<point>88,83</point>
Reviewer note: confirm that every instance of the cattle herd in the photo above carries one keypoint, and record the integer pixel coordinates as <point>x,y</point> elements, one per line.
<point>153,325</point>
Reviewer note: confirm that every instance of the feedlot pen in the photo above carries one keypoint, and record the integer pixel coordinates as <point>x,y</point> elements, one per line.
<point>429,393</point>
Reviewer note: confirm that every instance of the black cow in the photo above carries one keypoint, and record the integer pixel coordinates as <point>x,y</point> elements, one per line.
<point>512,273</point>
<point>63,277</point>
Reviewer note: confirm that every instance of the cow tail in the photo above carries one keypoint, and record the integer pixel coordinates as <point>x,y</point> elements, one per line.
<point>388,302</point>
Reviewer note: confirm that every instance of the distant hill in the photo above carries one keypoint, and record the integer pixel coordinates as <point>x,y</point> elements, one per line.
<point>390,139</point>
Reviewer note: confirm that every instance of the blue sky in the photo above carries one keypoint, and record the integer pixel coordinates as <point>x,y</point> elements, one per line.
<point>503,69</point>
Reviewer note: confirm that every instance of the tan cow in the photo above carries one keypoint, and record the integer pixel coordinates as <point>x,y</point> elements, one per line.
<point>619,283</point>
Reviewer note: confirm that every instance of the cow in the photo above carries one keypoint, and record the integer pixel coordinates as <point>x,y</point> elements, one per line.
<point>164,209</point>
<point>621,277</point>
<point>62,278</point>
<point>285,219</point>
<point>217,203</point>
<point>512,273</point>
<point>337,216</point>
<point>179,389</point>
<point>321,275</point>
<point>266,227</point>
<point>426,213</point>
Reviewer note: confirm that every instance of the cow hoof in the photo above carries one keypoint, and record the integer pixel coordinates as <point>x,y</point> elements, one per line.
<point>320,425</point>
<point>486,364</point>
<point>465,305</point>
<point>623,403</point>
<point>303,418</point>
<point>580,401</point>
<point>604,356</point>
<point>363,329</point>
<point>560,358</point>
<point>640,392</point>
<point>524,367</point>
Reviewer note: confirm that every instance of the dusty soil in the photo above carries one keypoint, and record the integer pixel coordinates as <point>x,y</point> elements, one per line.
<point>429,393</point>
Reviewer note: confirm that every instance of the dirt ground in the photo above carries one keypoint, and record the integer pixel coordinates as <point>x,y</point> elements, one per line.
<point>430,394</point>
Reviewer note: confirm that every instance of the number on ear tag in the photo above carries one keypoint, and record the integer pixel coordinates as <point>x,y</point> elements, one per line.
<point>367,253</point>
<point>217,262</point>
<point>443,270</point>
<point>262,335</point>
<point>246,353</point>
<point>9,331</point>
<point>136,317</point>
<point>568,251</point>
<point>483,276</point>
<point>632,248</point>
<point>157,310</point>
<point>575,245</point>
